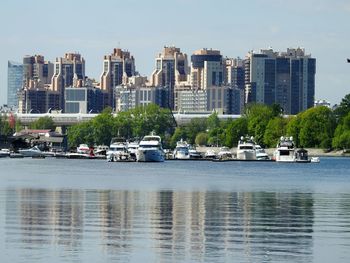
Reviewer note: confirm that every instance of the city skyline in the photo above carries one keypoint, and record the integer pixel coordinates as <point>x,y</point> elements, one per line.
<point>227,28</point>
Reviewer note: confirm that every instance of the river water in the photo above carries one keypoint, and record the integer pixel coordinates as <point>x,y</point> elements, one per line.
<point>57,210</point>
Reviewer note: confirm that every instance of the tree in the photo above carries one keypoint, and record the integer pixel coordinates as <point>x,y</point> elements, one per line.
<point>344,107</point>
<point>317,127</point>
<point>293,128</point>
<point>213,121</point>
<point>258,116</point>
<point>201,138</point>
<point>43,123</point>
<point>235,130</point>
<point>341,139</point>
<point>5,128</point>
<point>274,130</point>
<point>102,126</point>
<point>81,133</point>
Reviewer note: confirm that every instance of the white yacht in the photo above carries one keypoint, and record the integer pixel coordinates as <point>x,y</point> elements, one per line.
<point>225,153</point>
<point>31,152</point>
<point>118,150</point>
<point>246,149</point>
<point>150,149</point>
<point>181,151</point>
<point>194,154</point>
<point>285,151</point>
<point>260,153</point>
<point>210,154</point>
<point>132,149</point>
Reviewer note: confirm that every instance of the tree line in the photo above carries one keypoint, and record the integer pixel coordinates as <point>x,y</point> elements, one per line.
<point>318,127</point>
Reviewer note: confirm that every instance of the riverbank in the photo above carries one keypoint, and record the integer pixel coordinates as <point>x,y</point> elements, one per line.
<point>269,151</point>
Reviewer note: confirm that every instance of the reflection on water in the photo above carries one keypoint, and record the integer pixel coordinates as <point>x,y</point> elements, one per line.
<point>162,225</point>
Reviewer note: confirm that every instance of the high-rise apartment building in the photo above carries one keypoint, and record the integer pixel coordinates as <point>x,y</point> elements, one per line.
<point>36,70</point>
<point>206,69</point>
<point>14,82</point>
<point>117,68</point>
<point>234,72</point>
<point>69,71</point>
<point>171,70</point>
<point>285,78</point>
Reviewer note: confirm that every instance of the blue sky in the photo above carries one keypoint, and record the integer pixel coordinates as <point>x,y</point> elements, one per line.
<point>94,28</point>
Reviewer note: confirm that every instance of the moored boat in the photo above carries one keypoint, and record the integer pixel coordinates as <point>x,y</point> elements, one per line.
<point>285,151</point>
<point>31,152</point>
<point>260,153</point>
<point>224,153</point>
<point>246,149</point>
<point>150,149</point>
<point>181,151</point>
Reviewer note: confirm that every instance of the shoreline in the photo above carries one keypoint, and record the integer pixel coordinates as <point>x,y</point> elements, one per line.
<point>313,152</point>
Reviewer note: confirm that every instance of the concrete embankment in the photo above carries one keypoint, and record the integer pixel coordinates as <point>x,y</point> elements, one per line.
<point>269,151</point>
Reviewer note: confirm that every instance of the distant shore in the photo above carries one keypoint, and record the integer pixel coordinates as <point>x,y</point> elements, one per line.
<point>269,151</point>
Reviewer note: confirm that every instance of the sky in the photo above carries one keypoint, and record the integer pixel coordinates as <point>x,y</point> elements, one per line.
<point>94,28</point>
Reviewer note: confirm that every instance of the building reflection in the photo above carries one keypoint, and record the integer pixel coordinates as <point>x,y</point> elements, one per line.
<point>47,217</point>
<point>174,225</point>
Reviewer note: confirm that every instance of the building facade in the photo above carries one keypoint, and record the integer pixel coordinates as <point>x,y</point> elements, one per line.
<point>69,71</point>
<point>35,70</point>
<point>83,100</point>
<point>171,70</point>
<point>206,69</point>
<point>285,78</point>
<point>117,68</point>
<point>14,82</point>
<point>129,97</point>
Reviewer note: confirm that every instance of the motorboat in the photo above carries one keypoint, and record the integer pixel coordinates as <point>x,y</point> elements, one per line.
<point>118,150</point>
<point>285,151</point>
<point>194,154</point>
<point>83,149</point>
<point>224,153</point>
<point>210,154</point>
<point>132,148</point>
<point>31,152</point>
<point>246,149</point>
<point>83,152</point>
<point>101,150</point>
<point>315,159</point>
<point>181,151</point>
<point>260,153</point>
<point>150,149</point>
<point>4,153</point>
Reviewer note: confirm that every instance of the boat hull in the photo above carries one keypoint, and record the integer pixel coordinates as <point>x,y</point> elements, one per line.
<point>246,155</point>
<point>150,156</point>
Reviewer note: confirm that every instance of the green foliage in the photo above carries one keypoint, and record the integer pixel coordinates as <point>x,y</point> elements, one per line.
<point>344,107</point>
<point>43,123</point>
<point>341,139</point>
<point>80,133</point>
<point>258,116</point>
<point>102,126</point>
<point>201,139</point>
<point>274,130</point>
<point>213,121</point>
<point>134,123</point>
<point>5,128</point>
<point>317,127</point>
<point>235,130</point>
<point>293,128</point>
<point>180,133</point>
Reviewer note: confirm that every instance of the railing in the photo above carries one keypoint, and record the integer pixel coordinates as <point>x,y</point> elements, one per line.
<point>67,119</point>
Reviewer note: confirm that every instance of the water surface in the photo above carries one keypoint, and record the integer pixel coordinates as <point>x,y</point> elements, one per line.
<point>56,210</point>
